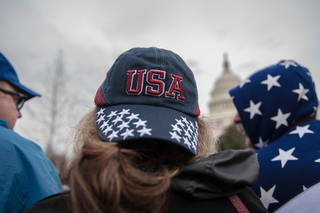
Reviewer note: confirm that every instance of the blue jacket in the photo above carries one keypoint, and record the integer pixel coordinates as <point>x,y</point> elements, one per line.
<point>26,175</point>
<point>277,107</point>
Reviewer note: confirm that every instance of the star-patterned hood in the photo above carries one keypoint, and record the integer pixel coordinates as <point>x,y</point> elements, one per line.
<point>272,99</point>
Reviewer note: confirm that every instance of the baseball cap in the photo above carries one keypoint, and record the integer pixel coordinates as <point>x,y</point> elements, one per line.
<point>7,73</point>
<point>149,93</point>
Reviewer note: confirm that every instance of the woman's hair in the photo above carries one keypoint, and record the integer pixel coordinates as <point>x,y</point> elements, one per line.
<point>126,177</point>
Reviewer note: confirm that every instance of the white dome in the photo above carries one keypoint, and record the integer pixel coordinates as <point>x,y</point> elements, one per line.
<point>221,106</point>
<point>224,83</point>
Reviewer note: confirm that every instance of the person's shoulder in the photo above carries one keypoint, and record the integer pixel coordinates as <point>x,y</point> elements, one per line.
<point>308,132</point>
<point>55,203</point>
<point>182,203</point>
<point>9,137</point>
<point>251,201</point>
<point>13,145</point>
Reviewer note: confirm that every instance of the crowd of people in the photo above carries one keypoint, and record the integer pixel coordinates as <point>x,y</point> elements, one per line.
<point>145,147</point>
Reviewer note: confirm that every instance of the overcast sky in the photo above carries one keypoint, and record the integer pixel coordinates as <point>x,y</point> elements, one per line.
<point>93,33</point>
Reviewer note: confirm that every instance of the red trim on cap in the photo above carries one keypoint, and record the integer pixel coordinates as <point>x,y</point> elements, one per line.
<point>98,99</point>
<point>197,113</point>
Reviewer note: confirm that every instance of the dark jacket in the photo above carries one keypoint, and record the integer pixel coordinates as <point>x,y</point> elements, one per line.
<point>203,186</point>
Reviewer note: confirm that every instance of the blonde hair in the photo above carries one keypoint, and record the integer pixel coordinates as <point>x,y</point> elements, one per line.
<point>108,177</point>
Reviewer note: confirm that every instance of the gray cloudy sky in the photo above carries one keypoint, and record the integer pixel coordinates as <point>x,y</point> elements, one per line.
<point>93,33</point>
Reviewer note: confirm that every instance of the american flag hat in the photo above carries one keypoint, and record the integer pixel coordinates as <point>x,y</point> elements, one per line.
<point>149,93</point>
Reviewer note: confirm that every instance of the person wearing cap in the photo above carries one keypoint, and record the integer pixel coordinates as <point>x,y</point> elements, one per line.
<point>145,148</point>
<point>277,106</point>
<point>26,175</point>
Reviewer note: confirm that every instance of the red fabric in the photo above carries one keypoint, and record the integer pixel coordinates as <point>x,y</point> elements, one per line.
<point>99,99</point>
<point>238,204</point>
<point>197,113</point>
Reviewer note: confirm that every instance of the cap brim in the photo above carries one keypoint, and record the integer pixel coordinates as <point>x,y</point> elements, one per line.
<point>25,90</point>
<point>120,123</point>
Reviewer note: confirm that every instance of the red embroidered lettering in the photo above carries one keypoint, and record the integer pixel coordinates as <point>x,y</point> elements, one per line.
<point>158,83</point>
<point>138,89</point>
<point>176,87</point>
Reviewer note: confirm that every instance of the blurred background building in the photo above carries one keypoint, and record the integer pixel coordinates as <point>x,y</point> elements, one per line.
<point>221,108</point>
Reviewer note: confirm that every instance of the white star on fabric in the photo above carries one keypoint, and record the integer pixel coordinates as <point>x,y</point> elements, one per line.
<point>271,81</point>
<point>192,126</point>
<point>253,109</point>
<point>301,92</point>
<point>284,156</point>
<point>127,133</point>
<point>301,130</point>
<point>288,63</point>
<point>304,188</point>
<point>123,125</point>
<point>118,119</point>
<point>189,129</point>
<point>144,131</point>
<point>194,145</point>
<point>262,143</point>
<point>133,116</point>
<point>175,136</point>
<point>314,113</point>
<point>187,142</point>
<point>267,197</point>
<point>186,130</point>
<point>124,112</point>
<point>317,161</point>
<point>108,129</point>
<point>140,123</point>
<point>179,123</point>
<point>100,112</point>
<point>244,82</point>
<point>100,119</point>
<point>176,128</point>
<point>185,120</point>
<point>187,134</point>
<point>105,123</point>
<point>114,134</point>
<point>281,118</point>
<point>112,113</point>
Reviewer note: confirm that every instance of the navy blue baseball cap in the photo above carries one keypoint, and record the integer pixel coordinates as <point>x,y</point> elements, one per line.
<point>149,93</point>
<point>7,73</point>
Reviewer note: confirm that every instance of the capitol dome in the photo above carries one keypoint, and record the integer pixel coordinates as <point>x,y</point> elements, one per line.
<point>221,108</point>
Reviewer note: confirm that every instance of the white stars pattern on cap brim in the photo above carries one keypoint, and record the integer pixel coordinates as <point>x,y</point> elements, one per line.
<point>114,123</point>
<point>186,132</point>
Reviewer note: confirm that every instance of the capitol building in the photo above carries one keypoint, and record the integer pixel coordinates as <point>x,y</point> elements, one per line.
<point>221,108</point>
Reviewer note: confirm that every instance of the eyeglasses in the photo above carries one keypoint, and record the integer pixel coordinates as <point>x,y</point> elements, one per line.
<point>19,98</point>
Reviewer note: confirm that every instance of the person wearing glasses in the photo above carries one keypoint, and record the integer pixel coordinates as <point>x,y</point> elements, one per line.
<point>26,174</point>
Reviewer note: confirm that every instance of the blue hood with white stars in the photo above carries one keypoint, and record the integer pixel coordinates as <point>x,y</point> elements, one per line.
<point>272,99</point>
<point>277,107</point>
